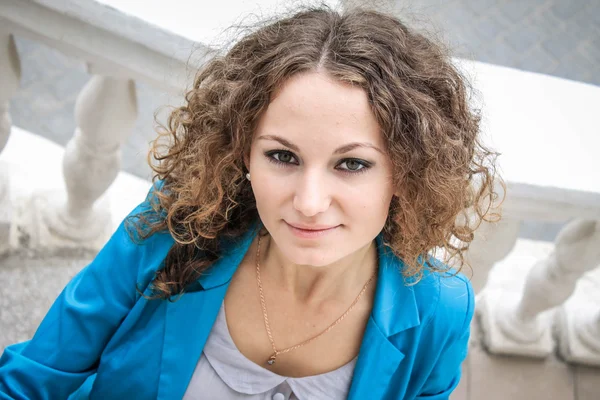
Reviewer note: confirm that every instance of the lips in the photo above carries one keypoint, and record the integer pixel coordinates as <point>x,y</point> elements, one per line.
<point>312,227</point>
<point>311,232</point>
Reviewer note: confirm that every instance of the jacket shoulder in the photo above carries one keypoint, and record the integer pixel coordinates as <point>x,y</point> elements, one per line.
<point>445,299</point>
<point>145,255</point>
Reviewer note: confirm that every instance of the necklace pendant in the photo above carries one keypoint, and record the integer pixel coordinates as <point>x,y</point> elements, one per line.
<point>271,360</point>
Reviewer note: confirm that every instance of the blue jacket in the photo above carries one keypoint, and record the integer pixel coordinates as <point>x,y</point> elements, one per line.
<point>102,340</point>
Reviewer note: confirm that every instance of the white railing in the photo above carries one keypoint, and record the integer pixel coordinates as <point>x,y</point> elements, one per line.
<point>546,129</point>
<point>10,73</point>
<point>118,49</point>
<point>547,132</point>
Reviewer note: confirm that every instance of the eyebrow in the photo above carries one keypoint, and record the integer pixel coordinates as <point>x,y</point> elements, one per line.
<point>340,150</point>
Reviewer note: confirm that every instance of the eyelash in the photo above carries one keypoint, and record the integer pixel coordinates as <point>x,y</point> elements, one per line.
<point>365,164</point>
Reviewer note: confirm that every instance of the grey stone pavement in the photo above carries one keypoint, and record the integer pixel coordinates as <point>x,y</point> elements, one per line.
<point>556,37</point>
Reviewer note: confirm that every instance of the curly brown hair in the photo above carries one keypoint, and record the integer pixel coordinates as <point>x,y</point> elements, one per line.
<point>445,175</point>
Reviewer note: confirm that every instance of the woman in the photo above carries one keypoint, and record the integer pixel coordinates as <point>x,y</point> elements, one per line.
<point>284,251</point>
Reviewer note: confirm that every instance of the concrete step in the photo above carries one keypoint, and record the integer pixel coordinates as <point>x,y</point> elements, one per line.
<point>28,287</point>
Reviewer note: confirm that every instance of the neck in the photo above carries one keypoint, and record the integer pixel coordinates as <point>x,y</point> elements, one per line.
<point>312,285</point>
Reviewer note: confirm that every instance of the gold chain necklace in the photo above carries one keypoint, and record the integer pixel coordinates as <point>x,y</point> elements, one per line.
<point>276,352</point>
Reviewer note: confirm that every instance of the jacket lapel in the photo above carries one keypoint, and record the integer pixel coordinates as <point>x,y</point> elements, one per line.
<point>189,319</point>
<point>188,322</point>
<point>377,361</point>
<point>394,311</point>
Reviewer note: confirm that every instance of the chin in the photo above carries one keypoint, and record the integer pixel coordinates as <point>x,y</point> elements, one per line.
<point>312,256</point>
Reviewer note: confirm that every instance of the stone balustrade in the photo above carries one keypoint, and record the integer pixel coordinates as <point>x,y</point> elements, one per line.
<point>118,49</point>
<point>543,126</point>
<point>10,73</point>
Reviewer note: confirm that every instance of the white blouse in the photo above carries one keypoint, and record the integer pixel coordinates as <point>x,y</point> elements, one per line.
<point>224,373</point>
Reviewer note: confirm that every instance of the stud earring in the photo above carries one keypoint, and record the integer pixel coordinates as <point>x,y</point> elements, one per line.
<point>248,176</point>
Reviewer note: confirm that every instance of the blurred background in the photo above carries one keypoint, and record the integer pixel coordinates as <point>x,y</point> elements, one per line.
<point>81,81</point>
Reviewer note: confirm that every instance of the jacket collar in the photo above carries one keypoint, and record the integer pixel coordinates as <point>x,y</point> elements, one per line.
<point>234,251</point>
<point>189,318</point>
<point>394,311</point>
<point>394,308</point>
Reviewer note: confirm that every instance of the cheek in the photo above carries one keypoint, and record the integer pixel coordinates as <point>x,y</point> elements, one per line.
<point>270,191</point>
<point>263,191</point>
<point>267,183</point>
<point>372,199</point>
<point>373,208</point>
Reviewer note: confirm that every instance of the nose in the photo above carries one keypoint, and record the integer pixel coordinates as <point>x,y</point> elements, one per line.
<point>312,195</point>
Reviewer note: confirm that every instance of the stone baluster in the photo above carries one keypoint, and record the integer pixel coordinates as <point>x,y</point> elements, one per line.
<point>105,111</point>
<point>10,75</point>
<point>578,324</point>
<point>518,323</point>
<point>492,242</point>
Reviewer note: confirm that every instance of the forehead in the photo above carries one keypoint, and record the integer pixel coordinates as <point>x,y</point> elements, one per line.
<point>313,107</point>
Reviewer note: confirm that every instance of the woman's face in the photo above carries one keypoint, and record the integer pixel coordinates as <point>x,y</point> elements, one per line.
<point>317,162</point>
